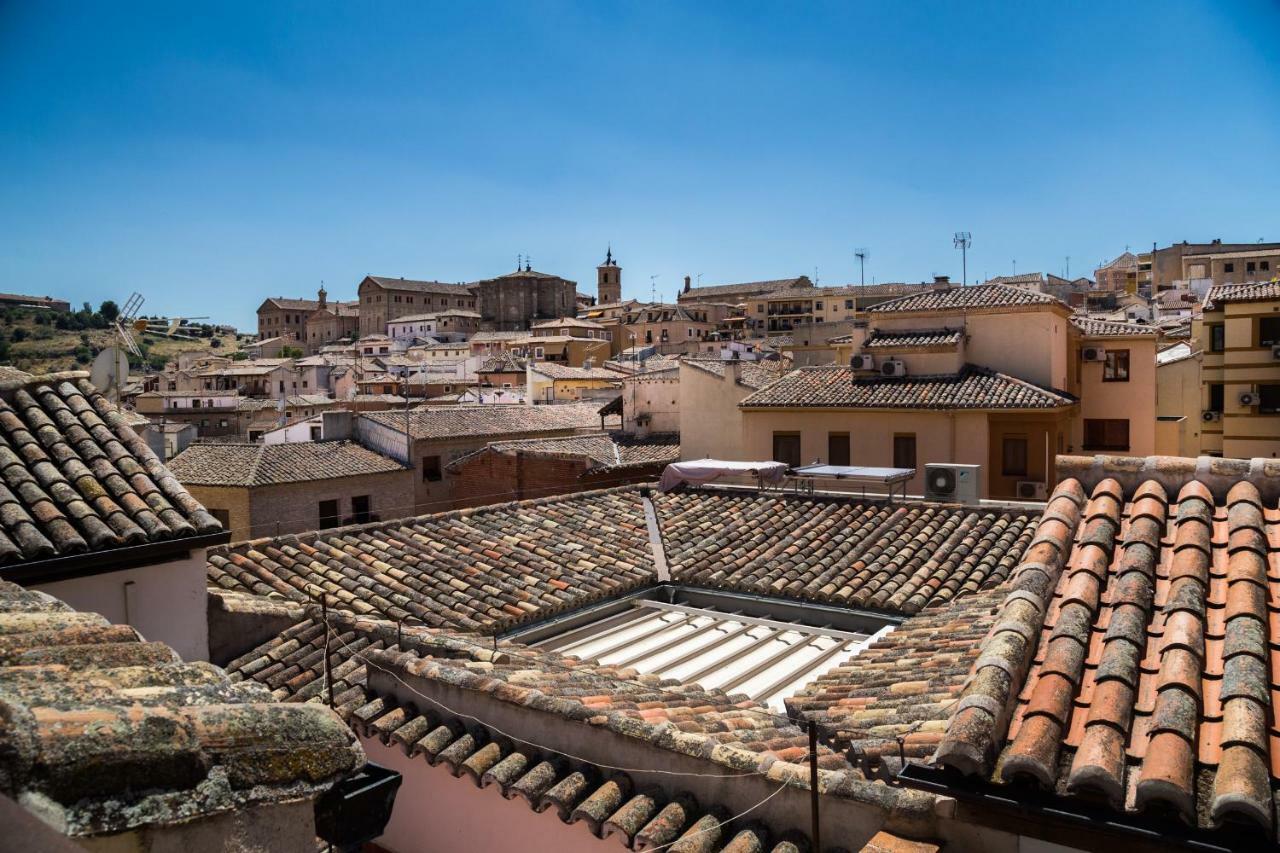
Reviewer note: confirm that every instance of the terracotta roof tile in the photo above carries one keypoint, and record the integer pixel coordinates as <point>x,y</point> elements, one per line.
<point>481,420</point>
<point>1258,291</point>
<point>74,477</point>
<point>840,387</point>
<point>254,465</point>
<point>1094,328</point>
<point>91,709</point>
<point>1138,666</point>
<point>903,338</point>
<point>976,297</point>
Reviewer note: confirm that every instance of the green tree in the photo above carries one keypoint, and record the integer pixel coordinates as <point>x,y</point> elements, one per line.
<point>18,335</point>
<point>109,310</point>
<point>239,355</point>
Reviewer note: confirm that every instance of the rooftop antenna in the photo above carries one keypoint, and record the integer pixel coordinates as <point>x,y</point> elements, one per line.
<point>653,289</point>
<point>699,279</point>
<point>519,262</point>
<point>1015,266</point>
<point>862,255</point>
<point>962,241</point>
<point>1068,269</point>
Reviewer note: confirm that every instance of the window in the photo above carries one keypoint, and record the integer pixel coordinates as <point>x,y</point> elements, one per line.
<point>1268,331</point>
<point>838,448</point>
<point>431,469</point>
<point>1116,367</point>
<point>360,508</point>
<point>223,423</point>
<point>1217,337</point>
<point>1250,267</point>
<point>1269,399</point>
<point>904,451</point>
<point>223,516</point>
<point>759,308</point>
<point>1215,396</point>
<point>1228,267</point>
<point>1264,265</point>
<point>817,306</point>
<point>1013,456</point>
<point>786,448</point>
<point>328,514</point>
<point>848,304</point>
<point>1106,434</point>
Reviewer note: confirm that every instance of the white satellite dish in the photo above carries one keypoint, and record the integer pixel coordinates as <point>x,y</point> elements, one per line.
<point>110,371</point>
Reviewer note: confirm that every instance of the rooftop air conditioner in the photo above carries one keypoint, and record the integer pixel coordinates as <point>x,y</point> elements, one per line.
<point>952,483</point>
<point>1248,398</point>
<point>863,362</point>
<point>1275,352</point>
<point>893,367</point>
<point>1030,490</point>
<point>1094,354</point>
<point>1209,416</point>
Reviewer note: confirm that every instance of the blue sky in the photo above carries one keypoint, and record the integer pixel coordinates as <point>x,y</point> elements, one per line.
<point>211,157</point>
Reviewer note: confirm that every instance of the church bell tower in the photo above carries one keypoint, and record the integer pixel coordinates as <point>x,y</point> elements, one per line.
<point>609,280</point>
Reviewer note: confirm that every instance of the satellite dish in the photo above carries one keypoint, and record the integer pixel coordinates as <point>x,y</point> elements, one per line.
<point>110,371</point>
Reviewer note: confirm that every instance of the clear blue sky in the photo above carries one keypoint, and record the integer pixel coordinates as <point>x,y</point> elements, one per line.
<point>209,157</point>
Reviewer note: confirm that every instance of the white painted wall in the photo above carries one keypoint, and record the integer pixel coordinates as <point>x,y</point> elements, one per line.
<point>166,602</point>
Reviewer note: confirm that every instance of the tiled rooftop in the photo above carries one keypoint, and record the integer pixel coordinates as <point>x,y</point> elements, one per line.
<point>729,733</point>
<point>254,465</point>
<point>1094,328</point>
<point>896,557</point>
<point>555,370</point>
<point>106,732</point>
<point>975,297</point>
<point>715,291</point>
<point>490,568</point>
<point>74,477</point>
<point>480,420</point>
<point>1134,658</point>
<point>900,338</point>
<point>839,387</point>
<point>499,566</point>
<point>755,374</point>
<point>601,451</point>
<point>438,287</point>
<point>1259,291</point>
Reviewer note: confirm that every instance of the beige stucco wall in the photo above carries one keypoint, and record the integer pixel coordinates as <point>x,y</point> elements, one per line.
<point>940,436</point>
<point>1178,395</point>
<point>1031,345</point>
<point>1134,401</point>
<point>659,398</point>
<point>166,602</point>
<point>710,422</point>
<point>1246,433</point>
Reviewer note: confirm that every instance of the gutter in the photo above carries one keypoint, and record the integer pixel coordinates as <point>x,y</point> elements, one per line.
<point>92,563</point>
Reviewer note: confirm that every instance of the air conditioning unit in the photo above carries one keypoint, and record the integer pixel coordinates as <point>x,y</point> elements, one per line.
<point>1094,354</point>
<point>893,367</point>
<point>1275,352</point>
<point>863,362</point>
<point>1248,398</point>
<point>951,483</point>
<point>1030,490</point>
<point>1210,417</point>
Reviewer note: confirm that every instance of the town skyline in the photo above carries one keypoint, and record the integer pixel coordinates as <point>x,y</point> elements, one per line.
<point>294,162</point>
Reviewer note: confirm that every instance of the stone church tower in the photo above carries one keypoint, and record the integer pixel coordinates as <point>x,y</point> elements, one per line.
<point>609,280</point>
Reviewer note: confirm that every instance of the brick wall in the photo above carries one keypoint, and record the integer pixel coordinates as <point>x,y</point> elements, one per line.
<point>489,478</point>
<point>295,507</point>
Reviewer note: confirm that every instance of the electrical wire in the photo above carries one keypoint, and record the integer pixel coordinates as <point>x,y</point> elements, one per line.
<point>460,714</point>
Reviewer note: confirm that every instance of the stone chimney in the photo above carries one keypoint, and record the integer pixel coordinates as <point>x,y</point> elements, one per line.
<point>686,284</point>
<point>942,281</point>
<point>733,371</point>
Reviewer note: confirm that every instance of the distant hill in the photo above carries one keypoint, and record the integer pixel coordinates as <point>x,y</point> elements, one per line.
<point>40,341</point>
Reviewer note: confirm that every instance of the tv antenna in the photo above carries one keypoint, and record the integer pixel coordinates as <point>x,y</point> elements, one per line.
<point>962,241</point>
<point>862,255</point>
<point>653,289</point>
<point>129,324</point>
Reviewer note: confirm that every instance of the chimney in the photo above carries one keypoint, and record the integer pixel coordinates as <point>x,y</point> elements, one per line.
<point>733,371</point>
<point>942,280</point>
<point>686,284</point>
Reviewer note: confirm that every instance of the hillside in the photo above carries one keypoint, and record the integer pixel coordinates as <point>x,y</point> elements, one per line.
<point>31,340</point>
